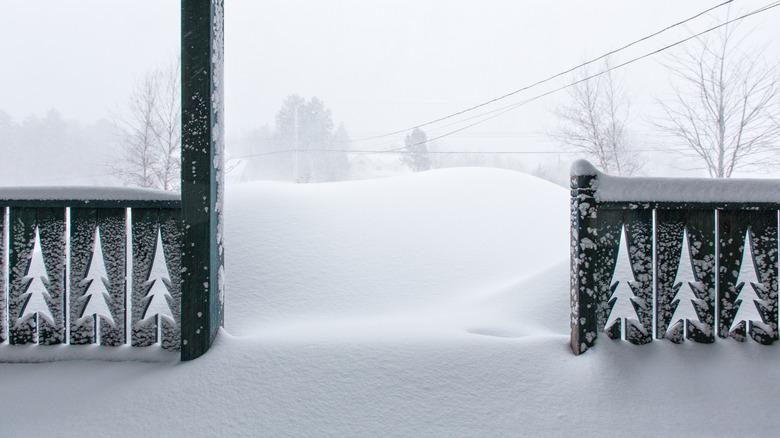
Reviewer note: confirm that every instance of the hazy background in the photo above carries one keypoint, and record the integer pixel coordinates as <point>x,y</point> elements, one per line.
<point>67,68</point>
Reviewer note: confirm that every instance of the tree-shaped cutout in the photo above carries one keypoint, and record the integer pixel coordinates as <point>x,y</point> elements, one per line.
<point>749,289</point>
<point>96,295</point>
<point>157,301</point>
<point>689,295</point>
<point>36,284</point>
<point>622,303</point>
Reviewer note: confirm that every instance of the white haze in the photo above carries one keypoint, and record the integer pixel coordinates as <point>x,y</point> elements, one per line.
<point>378,65</point>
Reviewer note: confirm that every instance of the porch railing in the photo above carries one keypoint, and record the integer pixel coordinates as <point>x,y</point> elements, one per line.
<point>65,256</point>
<point>677,236</point>
<point>66,252</point>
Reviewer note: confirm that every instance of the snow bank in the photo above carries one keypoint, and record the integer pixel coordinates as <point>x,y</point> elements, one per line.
<point>615,188</point>
<point>429,305</point>
<point>368,248</point>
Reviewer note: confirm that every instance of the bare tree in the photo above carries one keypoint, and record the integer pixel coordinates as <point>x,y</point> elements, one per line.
<point>167,130</point>
<point>725,106</point>
<point>594,122</point>
<point>150,132</point>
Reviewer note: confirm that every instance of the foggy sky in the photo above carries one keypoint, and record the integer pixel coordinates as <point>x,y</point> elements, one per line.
<point>379,65</point>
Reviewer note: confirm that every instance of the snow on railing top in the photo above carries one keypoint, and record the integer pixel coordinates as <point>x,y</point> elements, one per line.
<point>86,195</point>
<point>610,188</point>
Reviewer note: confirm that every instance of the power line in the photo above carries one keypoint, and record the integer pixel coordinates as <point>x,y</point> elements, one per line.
<point>395,152</point>
<point>505,109</point>
<point>550,78</point>
<point>492,114</point>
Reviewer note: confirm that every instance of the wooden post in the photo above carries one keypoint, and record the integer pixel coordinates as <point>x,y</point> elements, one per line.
<point>202,51</point>
<point>584,291</point>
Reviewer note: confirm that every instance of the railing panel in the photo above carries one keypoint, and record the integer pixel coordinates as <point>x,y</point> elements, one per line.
<point>38,305</point>
<point>37,275</point>
<point>617,221</point>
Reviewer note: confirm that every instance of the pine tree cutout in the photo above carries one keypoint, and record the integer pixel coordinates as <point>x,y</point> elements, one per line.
<point>96,295</point>
<point>749,289</point>
<point>622,301</point>
<point>688,300</point>
<point>158,298</point>
<point>36,295</point>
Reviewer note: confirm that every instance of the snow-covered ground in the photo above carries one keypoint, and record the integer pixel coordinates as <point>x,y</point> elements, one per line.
<point>433,304</point>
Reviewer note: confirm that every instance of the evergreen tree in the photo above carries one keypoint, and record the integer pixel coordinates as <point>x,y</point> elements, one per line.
<point>158,298</point>
<point>622,301</point>
<point>36,282</point>
<point>96,296</point>
<point>416,155</point>
<point>748,288</point>
<point>306,128</point>
<point>686,291</point>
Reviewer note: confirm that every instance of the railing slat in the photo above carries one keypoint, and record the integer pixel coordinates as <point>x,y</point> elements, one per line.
<point>144,232</point>
<point>23,224</point>
<point>638,228</point>
<point>699,228</point>
<point>170,231</point>
<point>112,224</point>
<point>608,228</point>
<point>733,227</point>
<point>83,223</point>
<point>156,270</point>
<point>97,266</point>
<point>584,327</point>
<point>3,276</point>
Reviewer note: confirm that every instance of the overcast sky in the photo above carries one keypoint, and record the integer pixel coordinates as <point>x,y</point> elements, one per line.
<point>379,65</point>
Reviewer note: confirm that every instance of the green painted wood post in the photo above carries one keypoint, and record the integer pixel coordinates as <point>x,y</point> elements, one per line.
<point>584,256</point>
<point>202,167</point>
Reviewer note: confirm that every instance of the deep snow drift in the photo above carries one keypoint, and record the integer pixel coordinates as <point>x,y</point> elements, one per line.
<point>433,304</point>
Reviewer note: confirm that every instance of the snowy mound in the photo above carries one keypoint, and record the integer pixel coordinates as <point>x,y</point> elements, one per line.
<point>384,247</point>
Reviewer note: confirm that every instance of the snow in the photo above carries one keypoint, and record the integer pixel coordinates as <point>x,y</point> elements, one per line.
<point>85,193</point>
<point>648,189</point>
<point>433,304</point>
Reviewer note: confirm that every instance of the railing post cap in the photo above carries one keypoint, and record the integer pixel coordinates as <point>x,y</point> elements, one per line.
<point>584,178</point>
<point>583,168</point>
